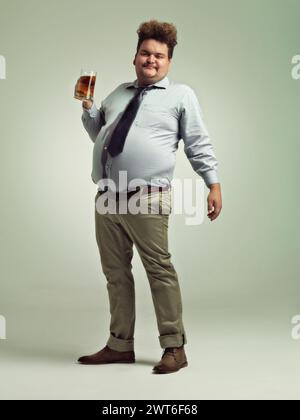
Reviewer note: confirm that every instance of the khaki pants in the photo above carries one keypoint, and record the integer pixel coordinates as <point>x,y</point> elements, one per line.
<point>116,234</point>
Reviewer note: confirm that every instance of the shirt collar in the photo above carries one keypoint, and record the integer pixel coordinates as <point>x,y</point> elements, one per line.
<point>163,83</point>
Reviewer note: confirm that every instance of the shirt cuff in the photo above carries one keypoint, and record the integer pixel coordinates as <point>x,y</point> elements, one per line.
<point>92,112</point>
<point>210,177</point>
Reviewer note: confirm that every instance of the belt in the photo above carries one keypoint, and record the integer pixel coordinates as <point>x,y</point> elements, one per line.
<point>143,190</point>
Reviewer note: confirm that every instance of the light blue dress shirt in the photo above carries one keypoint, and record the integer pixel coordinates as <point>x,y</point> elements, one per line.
<point>165,116</point>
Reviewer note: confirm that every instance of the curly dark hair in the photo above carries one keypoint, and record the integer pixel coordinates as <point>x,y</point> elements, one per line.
<point>160,31</point>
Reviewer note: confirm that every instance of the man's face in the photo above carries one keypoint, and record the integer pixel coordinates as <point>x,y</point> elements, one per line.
<point>151,62</point>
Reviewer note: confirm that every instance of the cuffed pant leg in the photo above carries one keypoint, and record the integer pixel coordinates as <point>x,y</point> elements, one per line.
<point>149,233</point>
<point>116,251</point>
<point>119,344</point>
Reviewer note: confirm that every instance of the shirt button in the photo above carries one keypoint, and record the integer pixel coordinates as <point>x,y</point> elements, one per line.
<point>105,147</point>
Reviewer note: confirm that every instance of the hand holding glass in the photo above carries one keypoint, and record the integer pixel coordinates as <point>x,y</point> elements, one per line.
<point>84,89</point>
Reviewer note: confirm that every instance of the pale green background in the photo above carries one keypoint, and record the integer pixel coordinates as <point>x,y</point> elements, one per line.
<point>239,275</point>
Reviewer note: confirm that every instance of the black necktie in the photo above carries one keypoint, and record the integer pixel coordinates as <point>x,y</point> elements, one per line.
<point>120,132</point>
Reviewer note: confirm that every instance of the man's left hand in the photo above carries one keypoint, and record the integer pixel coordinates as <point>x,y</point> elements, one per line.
<point>214,201</point>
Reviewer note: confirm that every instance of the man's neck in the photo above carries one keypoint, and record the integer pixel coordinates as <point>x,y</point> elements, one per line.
<point>140,84</point>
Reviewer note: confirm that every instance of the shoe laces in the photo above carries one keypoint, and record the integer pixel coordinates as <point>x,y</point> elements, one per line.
<point>171,350</point>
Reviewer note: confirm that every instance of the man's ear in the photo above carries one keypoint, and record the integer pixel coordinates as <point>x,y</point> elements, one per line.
<point>134,60</point>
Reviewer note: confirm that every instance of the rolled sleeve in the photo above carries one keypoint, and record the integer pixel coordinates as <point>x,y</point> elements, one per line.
<point>93,119</point>
<point>92,112</point>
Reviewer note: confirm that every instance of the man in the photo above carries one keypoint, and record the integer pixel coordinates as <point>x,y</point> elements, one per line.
<point>137,131</point>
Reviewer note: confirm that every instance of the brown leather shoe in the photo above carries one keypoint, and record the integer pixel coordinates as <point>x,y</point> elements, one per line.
<point>172,360</point>
<point>108,355</point>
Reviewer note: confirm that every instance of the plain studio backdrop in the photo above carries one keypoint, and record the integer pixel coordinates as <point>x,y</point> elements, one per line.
<point>239,275</point>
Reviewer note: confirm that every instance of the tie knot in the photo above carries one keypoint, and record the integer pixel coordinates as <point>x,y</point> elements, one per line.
<point>143,88</point>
